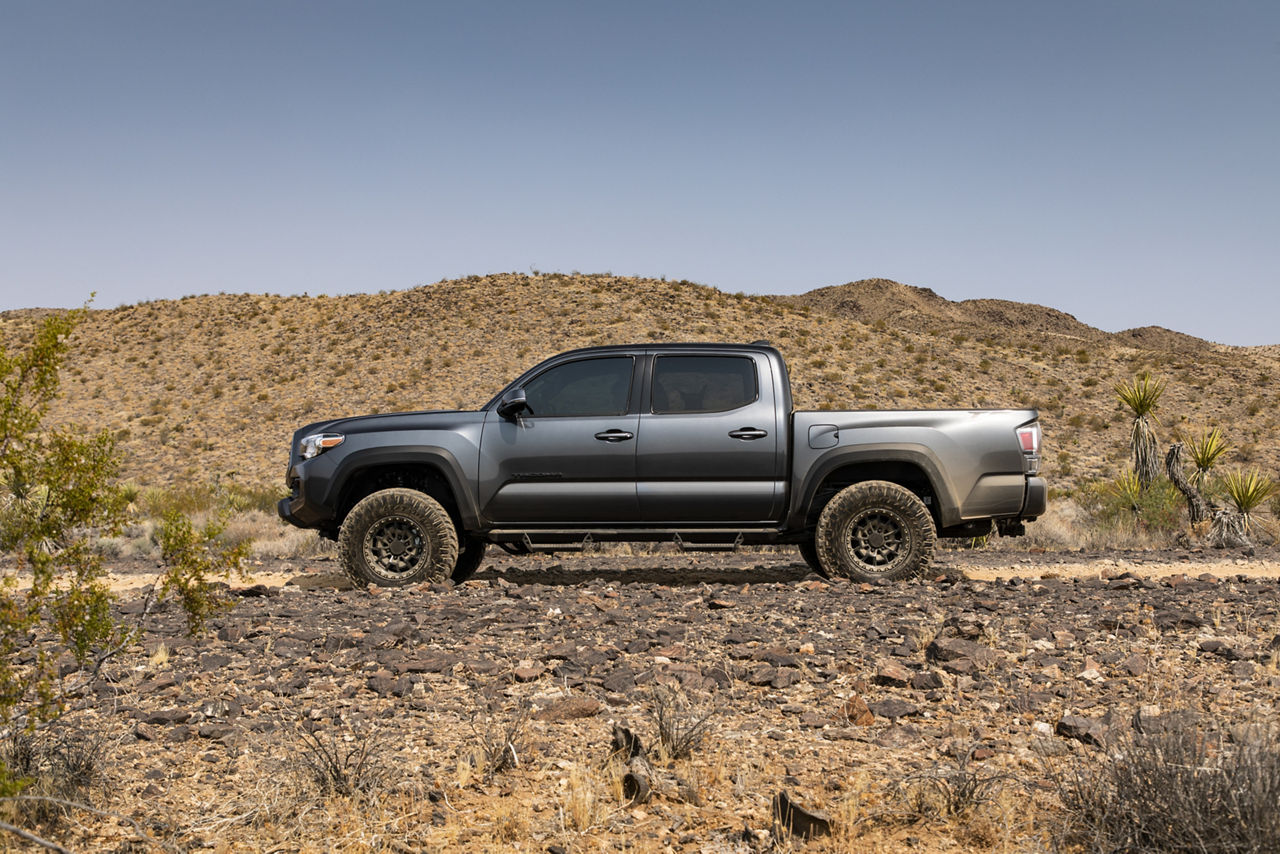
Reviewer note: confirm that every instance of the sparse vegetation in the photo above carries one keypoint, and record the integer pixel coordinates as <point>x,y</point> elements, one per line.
<point>1181,789</point>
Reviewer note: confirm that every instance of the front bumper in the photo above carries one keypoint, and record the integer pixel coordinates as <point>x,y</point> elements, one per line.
<point>298,509</point>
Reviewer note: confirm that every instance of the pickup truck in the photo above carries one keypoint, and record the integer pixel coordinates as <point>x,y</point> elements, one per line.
<point>696,444</point>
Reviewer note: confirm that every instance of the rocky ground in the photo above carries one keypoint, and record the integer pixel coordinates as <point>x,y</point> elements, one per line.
<point>483,717</point>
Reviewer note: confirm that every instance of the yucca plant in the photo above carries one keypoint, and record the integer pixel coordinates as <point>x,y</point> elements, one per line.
<point>1127,487</point>
<point>1142,396</point>
<point>1205,450</point>
<point>1247,490</point>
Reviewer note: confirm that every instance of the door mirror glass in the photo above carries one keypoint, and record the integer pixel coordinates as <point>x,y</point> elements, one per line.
<point>513,403</point>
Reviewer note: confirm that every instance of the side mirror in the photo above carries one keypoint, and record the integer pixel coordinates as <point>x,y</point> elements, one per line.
<point>513,403</point>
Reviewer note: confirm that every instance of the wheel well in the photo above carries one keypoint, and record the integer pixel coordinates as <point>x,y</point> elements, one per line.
<point>424,478</point>
<point>904,474</point>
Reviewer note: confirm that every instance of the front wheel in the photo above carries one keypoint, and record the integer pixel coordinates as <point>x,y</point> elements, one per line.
<point>398,537</point>
<point>875,531</point>
<point>470,557</point>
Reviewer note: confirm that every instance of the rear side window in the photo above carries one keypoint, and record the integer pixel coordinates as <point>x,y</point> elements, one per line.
<point>586,387</point>
<point>703,383</point>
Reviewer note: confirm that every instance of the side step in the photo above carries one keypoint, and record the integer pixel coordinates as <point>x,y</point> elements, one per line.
<point>576,540</point>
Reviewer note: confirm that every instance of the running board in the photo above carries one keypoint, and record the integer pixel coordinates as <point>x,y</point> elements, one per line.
<point>576,540</point>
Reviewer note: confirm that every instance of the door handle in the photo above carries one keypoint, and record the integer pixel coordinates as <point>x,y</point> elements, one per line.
<point>748,433</point>
<point>615,436</point>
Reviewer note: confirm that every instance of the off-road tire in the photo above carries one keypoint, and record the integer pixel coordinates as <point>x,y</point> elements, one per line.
<point>875,531</point>
<point>469,559</point>
<point>398,537</point>
<point>809,552</point>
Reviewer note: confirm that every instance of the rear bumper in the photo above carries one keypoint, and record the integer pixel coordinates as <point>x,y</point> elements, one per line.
<point>1037,498</point>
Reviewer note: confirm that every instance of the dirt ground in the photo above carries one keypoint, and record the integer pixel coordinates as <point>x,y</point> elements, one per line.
<point>484,716</point>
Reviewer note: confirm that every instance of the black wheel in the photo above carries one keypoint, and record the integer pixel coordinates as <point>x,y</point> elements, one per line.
<point>469,559</point>
<point>397,537</point>
<point>809,552</point>
<point>875,531</point>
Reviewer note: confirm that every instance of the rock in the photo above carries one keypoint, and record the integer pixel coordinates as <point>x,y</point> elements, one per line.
<point>527,673</point>
<point>892,673</point>
<point>569,708</point>
<point>381,683</point>
<point>893,708</point>
<point>954,649</point>
<point>1082,729</point>
<point>791,818</point>
<point>144,732</point>
<point>620,681</point>
<point>168,716</point>
<point>1134,665</point>
<point>927,681</point>
<point>856,712</point>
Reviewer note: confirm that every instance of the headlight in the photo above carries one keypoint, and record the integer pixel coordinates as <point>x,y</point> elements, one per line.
<point>317,443</point>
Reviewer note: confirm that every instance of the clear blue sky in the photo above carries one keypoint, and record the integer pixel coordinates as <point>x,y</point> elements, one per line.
<point>1117,160</point>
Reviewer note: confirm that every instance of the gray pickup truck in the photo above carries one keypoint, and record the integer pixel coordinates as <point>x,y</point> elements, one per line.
<point>695,444</point>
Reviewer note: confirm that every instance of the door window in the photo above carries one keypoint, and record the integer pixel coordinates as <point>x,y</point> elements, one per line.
<point>703,383</point>
<point>585,387</point>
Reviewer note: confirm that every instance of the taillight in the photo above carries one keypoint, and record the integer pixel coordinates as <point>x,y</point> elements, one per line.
<point>1029,438</point>
<point>1029,441</point>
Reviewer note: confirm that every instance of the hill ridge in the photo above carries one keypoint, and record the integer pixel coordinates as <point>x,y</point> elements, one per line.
<point>212,386</point>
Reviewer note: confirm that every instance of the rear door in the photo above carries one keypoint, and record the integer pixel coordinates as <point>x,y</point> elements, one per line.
<point>572,460</point>
<point>708,450</point>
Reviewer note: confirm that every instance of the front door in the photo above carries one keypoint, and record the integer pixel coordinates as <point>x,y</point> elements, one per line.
<point>571,460</point>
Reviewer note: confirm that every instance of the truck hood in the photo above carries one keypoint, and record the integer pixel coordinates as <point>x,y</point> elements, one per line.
<point>393,422</point>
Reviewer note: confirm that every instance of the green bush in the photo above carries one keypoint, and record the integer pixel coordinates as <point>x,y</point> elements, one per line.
<point>58,493</point>
<point>1122,504</point>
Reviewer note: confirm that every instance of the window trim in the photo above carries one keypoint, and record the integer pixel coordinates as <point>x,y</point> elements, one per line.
<point>631,384</point>
<point>653,382</point>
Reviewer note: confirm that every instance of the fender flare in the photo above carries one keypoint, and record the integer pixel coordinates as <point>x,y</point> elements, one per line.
<point>434,456</point>
<point>948,508</point>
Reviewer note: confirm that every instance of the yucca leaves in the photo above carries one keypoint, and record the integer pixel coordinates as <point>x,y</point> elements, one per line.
<point>1205,450</point>
<point>1127,487</point>
<point>1142,395</point>
<point>1247,490</point>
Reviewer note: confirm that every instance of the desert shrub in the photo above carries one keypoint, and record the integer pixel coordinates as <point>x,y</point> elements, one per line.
<point>1121,505</point>
<point>499,743</point>
<point>56,485</point>
<point>188,499</point>
<point>1176,790</point>
<point>950,790</point>
<point>58,491</point>
<point>681,726</point>
<point>50,768</point>
<point>193,556</point>
<point>341,762</point>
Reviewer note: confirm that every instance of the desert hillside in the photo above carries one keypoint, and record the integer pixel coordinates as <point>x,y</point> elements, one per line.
<point>211,387</point>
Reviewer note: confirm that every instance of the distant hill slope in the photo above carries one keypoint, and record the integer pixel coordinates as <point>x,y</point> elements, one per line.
<point>213,386</point>
<point>883,301</point>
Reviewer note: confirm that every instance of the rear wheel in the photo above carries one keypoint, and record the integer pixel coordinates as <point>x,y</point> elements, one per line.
<point>875,531</point>
<point>398,537</point>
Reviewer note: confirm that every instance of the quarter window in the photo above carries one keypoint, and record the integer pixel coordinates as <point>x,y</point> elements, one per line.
<point>585,387</point>
<point>703,383</point>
